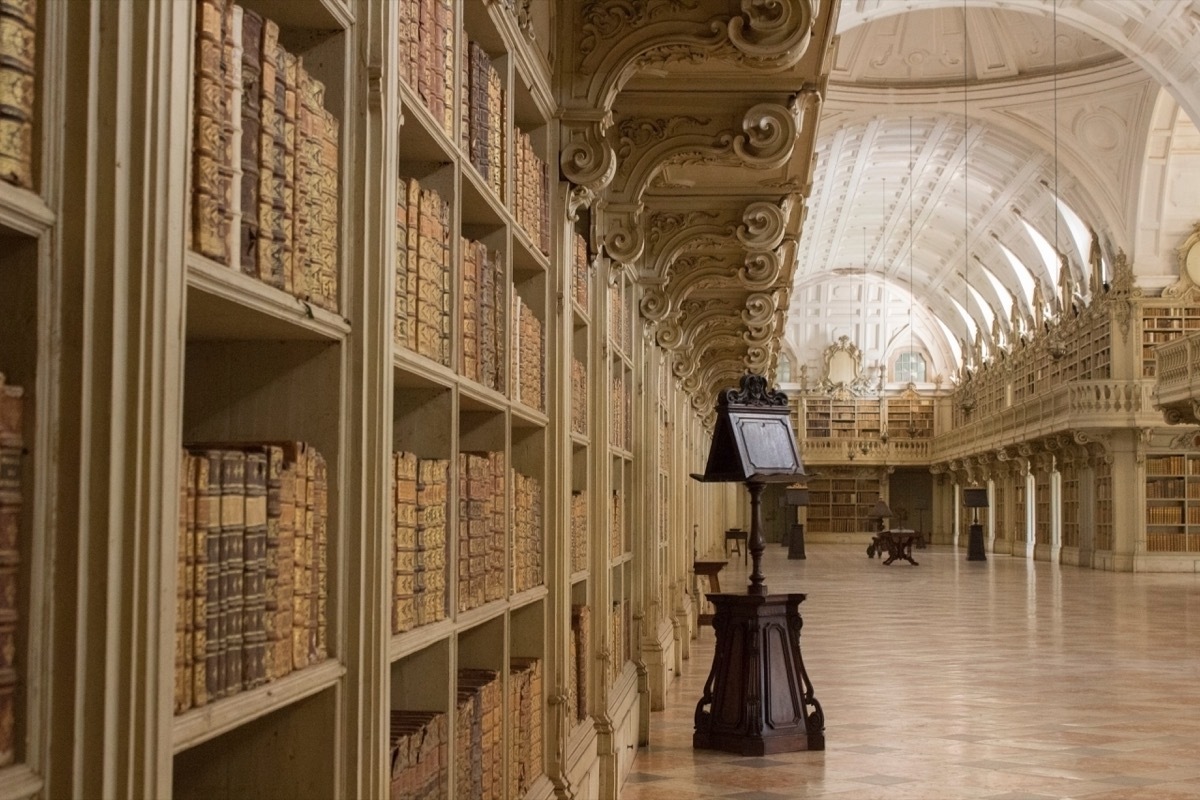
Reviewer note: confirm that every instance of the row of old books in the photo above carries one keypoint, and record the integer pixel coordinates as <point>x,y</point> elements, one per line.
<point>528,355</point>
<point>478,736</point>
<point>483,287</point>
<point>579,530</point>
<point>12,443</point>
<point>527,532</point>
<point>577,679</point>
<point>620,330</point>
<point>622,629</point>
<point>616,538</point>
<point>265,157</point>
<point>620,433</point>
<point>18,79</point>
<point>531,192</point>
<point>525,704</point>
<point>419,748</point>
<point>579,400</point>
<point>422,498</point>
<point>425,55</point>
<point>252,585</point>
<point>484,117</point>
<point>580,270</point>
<point>422,321</point>
<point>482,490</point>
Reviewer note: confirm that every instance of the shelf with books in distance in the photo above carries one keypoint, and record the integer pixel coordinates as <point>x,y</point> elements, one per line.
<point>424,264</point>
<point>1172,515</point>
<point>420,723</point>
<point>526,698</point>
<point>482,524</point>
<point>482,303</point>
<point>485,136</point>
<point>528,523</point>
<point>528,340</point>
<point>422,482</point>
<point>425,34</point>
<point>23,441</point>
<point>478,725</point>
<point>266,157</point>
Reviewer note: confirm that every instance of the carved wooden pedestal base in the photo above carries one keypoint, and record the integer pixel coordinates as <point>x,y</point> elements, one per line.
<point>758,699</point>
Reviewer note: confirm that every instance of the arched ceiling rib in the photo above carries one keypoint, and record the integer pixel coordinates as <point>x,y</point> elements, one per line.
<point>899,135</point>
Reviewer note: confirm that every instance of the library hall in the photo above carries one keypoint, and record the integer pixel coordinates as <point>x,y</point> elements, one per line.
<point>599,399</point>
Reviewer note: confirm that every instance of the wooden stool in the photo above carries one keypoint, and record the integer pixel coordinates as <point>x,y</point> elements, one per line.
<point>711,570</point>
<point>740,539</point>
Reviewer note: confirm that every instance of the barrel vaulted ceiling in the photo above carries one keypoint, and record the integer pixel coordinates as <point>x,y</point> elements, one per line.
<point>772,188</point>
<point>688,129</point>
<point>945,129</point>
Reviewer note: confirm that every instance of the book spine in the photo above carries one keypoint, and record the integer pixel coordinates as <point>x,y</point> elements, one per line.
<point>208,146</point>
<point>251,138</point>
<point>254,544</point>
<point>327,229</point>
<point>318,636</point>
<point>403,315</point>
<point>285,586</point>
<point>270,622</point>
<point>281,253</point>
<point>185,564</point>
<point>404,543</point>
<point>413,260</point>
<point>197,498</point>
<point>285,272</point>
<point>11,449</point>
<point>232,560</point>
<point>18,66</point>
<point>301,559</point>
<point>266,254</point>
<point>208,500</point>
<point>232,122</point>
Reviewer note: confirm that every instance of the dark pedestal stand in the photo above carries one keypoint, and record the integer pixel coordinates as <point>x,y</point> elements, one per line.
<point>758,699</point>
<point>796,541</point>
<point>975,548</point>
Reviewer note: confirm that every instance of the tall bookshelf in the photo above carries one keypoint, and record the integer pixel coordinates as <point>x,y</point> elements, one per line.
<point>1070,506</point>
<point>1104,505</point>
<point>30,361</point>
<point>1173,503</point>
<point>840,503</point>
<point>1041,508</point>
<point>1020,517</point>
<point>909,417</point>
<point>842,417</point>
<point>1162,323</point>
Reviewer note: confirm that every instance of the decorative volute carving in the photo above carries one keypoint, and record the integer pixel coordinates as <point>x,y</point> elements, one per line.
<point>688,127</point>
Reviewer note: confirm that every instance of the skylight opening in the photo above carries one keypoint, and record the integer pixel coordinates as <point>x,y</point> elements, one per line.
<point>1024,276</point>
<point>1006,298</point>
<point>1046,251</point>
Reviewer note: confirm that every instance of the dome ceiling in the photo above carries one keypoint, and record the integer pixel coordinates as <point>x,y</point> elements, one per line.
<point>923,180</point>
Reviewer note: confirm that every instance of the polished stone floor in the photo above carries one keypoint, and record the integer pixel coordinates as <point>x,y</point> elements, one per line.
<point>1006,680</point>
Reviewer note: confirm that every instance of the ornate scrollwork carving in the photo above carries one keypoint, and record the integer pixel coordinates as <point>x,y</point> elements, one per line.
<point>605,19</point>
<point>587,158</point>
<point>768,136</point>
<point>624,240</point>
<point>654,304</point>
<point>773,33</point>
<point>761,269</point>
<point>764,224</point>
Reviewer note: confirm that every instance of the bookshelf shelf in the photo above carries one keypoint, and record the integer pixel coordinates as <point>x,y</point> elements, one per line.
<point>526,418</point>
<point>23,212</point>
<point>224,304</point>
<point>481,210</point>
<point>210,721</point>
<point>406,644</point>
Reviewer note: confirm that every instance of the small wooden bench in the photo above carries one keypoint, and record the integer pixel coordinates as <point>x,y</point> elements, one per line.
<point>740,539</point>
<point>711,570</point>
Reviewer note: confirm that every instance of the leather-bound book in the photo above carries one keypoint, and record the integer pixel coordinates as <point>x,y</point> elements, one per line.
<point>18,65</point>
<point>251,141</point>
<point>208,512</point>
<point>254,545</point>
<point>267,254</point>
<point>208,146</point>
<point>270,623</point>
<point>11,450</point>
<point>233,532</point>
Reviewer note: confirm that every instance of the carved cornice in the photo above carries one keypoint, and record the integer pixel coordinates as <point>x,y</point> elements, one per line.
<point>614,40</point>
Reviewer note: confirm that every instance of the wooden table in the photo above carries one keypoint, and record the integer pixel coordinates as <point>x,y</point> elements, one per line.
<point>711,570</point>
<point>898,542</point>
<point>740,539</point>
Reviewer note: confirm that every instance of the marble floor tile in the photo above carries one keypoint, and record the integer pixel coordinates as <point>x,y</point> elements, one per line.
<point>1008,679</point>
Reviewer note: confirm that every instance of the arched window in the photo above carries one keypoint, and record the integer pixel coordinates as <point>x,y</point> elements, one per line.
<point>910,367</point>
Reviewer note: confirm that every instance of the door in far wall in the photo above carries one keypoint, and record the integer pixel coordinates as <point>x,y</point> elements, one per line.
<point>910,495</point>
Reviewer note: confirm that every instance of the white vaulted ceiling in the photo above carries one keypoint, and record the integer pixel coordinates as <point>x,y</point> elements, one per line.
<point>928,166</point>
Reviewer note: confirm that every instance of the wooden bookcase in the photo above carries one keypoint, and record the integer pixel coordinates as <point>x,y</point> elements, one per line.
<point>1070,506</point>
<point>842,418</point>
<point>130,340</point>
<point>1164,322</point>
<point>841,502</point>
<point>1173,503</point>
<point>1041,509</point>
<point>909,417</point>
<point>31,352</point>
<point>1020,518</point>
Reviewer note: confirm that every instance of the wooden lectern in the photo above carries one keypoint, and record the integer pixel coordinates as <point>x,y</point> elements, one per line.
<point>758,698</point>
